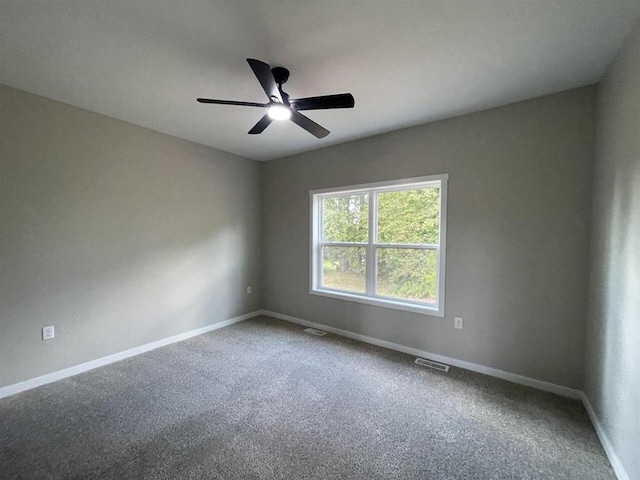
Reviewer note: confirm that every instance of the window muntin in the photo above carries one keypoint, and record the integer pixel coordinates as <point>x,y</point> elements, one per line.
<point>382,244</point>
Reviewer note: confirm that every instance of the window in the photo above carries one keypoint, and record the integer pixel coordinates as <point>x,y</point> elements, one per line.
<point>381,244</point>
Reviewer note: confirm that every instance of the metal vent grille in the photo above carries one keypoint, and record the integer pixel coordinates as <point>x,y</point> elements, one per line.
<point>435,365</point>
<point>313,331</point>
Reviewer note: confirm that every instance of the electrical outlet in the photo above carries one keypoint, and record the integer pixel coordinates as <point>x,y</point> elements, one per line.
<point>457,322</point>
<point>48,333</point>
<point>248,290</point>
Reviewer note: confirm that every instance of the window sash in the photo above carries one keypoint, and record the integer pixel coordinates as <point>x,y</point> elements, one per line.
<point>374,274</point>
<point>371,279</point>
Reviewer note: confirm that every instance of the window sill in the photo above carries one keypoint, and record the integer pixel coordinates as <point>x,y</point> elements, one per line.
<point>433,311</point>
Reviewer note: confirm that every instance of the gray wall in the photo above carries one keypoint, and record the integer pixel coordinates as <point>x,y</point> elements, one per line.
<point>518,233</point>
<point>115,234</point>
<point>613,334</point>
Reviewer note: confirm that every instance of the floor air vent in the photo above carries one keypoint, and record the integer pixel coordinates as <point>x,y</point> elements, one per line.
<point>435,365</point>
<point>313,331</point>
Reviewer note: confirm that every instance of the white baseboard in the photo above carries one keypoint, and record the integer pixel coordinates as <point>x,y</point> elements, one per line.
<point>83,367</point>
<point>512,377</point>
<point>616,464</point>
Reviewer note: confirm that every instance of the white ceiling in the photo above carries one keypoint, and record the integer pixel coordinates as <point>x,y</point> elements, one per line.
<point>406,62</point>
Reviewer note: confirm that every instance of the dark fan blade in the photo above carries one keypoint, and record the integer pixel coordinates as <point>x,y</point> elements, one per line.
<point>231,102</point>
<point>309,125</point>
<point>341,100</point>
<point>261,125</point>
<point>263,72</point>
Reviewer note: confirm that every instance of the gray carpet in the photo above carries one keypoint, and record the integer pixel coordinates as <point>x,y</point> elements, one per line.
<point>263,399</point>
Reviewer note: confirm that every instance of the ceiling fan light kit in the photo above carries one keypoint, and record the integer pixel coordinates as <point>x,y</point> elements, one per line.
<point>277,111</point>
<point>280,107</point>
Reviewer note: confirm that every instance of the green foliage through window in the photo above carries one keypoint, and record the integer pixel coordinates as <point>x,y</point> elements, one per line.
<point>407,273</point>
<point>345,218</point>
<point>409,216</point>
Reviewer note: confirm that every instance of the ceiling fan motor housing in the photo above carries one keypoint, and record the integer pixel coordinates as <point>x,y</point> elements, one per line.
<point>280,75</point>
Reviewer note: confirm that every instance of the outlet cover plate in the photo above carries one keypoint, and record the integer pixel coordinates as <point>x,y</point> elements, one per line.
<point>48,333</point>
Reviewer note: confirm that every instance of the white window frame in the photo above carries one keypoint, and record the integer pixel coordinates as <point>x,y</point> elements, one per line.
<point>368,297</point>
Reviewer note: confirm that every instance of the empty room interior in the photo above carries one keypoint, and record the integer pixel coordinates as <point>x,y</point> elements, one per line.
<point>320,239</point>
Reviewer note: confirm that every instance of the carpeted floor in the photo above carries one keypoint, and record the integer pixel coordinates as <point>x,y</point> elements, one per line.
<point>262,399</point>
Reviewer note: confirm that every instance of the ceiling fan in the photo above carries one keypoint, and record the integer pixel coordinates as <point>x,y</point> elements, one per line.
<point>280,106</point>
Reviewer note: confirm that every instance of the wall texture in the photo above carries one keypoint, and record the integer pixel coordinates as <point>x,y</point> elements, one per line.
<point>115,234</point>
<point>613,334</point>
<point>518,233</point>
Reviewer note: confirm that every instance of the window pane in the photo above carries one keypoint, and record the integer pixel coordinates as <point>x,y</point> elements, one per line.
<point>407,273</point>
<point>409,216</point>
<point>343,268</point>
<point>345,218</point>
